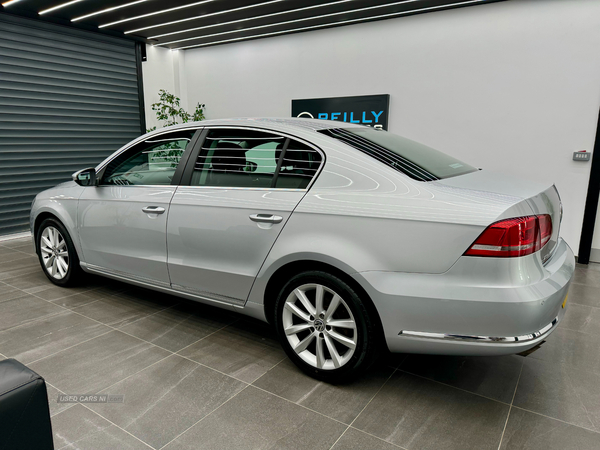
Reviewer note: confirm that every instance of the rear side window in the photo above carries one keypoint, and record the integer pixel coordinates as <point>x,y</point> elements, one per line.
<point>409,157</point>
<point>254,159</point>
<point>298,167</point>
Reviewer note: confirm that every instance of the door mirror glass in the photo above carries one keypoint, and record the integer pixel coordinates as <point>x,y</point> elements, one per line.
<point>85,177</point>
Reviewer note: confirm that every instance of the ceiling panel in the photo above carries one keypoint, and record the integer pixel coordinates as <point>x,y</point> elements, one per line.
<point>181,24</point>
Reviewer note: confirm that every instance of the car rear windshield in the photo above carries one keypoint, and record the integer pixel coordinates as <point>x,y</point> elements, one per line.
<point>409,157</point>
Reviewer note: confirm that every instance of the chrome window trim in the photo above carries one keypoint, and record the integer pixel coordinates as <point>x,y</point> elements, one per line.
<point>162,186</point>
<point>486,339</point>
<point>225,188</point>
<point>280,133</point>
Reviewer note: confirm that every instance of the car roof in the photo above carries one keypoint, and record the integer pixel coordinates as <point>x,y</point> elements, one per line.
<point>272,123</point>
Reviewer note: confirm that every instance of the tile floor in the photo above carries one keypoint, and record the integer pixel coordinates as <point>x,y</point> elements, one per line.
<point>195,377</point>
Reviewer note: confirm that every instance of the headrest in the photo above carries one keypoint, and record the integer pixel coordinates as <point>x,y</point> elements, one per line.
<point>229,156</point>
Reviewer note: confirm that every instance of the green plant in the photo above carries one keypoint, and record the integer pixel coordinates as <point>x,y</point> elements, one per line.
<point>169,111</point>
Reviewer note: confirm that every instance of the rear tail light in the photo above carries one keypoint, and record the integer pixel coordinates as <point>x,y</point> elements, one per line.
<point>513,237</point>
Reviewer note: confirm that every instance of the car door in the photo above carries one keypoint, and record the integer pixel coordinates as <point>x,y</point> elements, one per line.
<point>123,221</point>
<point>241,188</point>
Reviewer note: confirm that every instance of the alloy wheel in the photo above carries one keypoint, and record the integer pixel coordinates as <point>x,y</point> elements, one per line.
<point>54,253</point>
<point>319,326</point>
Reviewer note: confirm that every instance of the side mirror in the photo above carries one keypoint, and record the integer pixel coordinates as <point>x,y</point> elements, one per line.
<point>85,177</point>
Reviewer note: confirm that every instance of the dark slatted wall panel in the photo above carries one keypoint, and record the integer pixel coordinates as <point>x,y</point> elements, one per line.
<point>68,99</point>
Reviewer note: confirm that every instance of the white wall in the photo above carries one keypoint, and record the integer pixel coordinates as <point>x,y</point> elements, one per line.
<point>511,86</point>
<point>162,70</point>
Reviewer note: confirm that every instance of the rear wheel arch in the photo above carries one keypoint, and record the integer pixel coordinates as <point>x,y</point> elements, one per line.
<point>283,274</point>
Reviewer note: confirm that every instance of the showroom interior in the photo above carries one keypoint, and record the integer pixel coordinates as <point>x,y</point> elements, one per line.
<point>508,86</point>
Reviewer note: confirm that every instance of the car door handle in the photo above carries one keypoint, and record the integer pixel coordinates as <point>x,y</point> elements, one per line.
<point>153,210</point>
<point>265,218</point>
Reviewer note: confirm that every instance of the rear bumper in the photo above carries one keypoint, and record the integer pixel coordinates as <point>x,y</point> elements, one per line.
<point>481,306</point>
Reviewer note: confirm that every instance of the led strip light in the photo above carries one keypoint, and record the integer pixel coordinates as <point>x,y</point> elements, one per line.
<point>203,16</point>
<point>155,13</point>
<point>363,19</point>
<point>304,19</point>
<point>102,11</point>
<point>233,21</point>
<point>62,5</point>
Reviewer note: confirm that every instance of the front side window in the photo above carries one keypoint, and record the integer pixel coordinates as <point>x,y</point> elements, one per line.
<point>151,162</point>
<point>249,159</point>
<point>409,157</point>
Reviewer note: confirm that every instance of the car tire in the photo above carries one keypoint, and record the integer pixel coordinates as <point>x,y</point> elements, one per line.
<point>334,339</point>
<point>55,249</point>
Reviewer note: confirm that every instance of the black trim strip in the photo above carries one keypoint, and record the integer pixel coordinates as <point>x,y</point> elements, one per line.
<point>140,80</point>
<point>186,178</point>
<point>591,204</point>
<point>280,162</point>
<point>177,176</point>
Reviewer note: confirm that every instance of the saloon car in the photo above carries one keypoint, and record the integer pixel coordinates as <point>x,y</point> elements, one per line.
<point>347,239</point>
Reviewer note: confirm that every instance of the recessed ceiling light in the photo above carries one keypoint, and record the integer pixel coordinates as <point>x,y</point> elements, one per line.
<point>235,21</point>
<point>304,19</point>
<point>102,11</point>
<point>62,5</point>
<point>217,13</point>
<point>382,16</point>
<point>163,11</point>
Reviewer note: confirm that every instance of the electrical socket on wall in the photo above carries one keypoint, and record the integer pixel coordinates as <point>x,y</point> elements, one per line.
<point>581,156</point>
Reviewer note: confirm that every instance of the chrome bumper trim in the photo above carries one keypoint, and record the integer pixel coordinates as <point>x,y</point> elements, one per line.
<point>490,339</point>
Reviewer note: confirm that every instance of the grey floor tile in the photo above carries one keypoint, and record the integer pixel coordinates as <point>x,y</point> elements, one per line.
<point>245,350</point>
<point>52,292</point>
<point>38,284</point>
<point>582,318</point>
<point>80,299</point>
<point>574,348</point>
<point>16,243</point>
<point>177,327</point>
<point>5,251</point>
<point>416,413</point>
<point>560,391</point>
<point>81,429</point>
<point>257,420</point>
<point>20,310</point>
<point>586,294</point>
<point>74,424</point>
<point>96,364</point>
<point>494,377</point>
<point>11,270</point>
<point>40,338</point>
<point>9,292</point>
<point>34,279</point>
<point>55,406</point>
<point>528,431</point>
<point>354,439</point>
<point>8,255</point>
<point>123,308</point>
<point>341,402</point>
<point>25,247</point>
<point>167,398</point>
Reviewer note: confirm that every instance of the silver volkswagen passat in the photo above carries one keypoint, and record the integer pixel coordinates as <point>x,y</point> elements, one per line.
<point>345,238</point>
